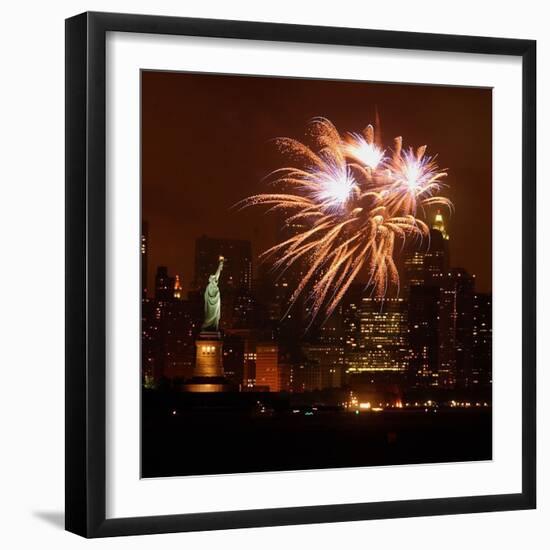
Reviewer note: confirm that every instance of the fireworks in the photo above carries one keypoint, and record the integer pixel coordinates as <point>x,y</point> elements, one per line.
<point>364,151</point>
<point>352,202</point>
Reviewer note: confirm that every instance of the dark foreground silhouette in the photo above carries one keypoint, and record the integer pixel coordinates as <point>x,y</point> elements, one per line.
<point>194,435</point>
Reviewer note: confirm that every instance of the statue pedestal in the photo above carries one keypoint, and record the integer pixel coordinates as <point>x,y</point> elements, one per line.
<point>208,372</point>
<point>208,360</point>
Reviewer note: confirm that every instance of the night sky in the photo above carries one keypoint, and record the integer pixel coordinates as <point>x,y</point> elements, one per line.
<point>206,145</point>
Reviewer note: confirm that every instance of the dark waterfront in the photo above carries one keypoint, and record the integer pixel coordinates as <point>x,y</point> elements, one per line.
<point>183,435</point>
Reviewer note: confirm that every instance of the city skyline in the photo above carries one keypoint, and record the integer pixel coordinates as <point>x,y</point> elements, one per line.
<point>410,341</point>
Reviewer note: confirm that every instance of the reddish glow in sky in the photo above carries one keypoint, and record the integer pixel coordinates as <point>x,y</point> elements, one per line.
<point>206,145</point>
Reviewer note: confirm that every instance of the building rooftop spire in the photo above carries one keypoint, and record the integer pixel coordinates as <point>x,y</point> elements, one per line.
<point>177,288</point>
<point>439,225</point>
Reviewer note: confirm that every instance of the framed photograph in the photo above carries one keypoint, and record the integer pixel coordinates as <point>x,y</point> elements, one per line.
<point>300,274</point>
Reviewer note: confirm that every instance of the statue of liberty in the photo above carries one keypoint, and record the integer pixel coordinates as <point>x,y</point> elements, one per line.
<point>212,300</point>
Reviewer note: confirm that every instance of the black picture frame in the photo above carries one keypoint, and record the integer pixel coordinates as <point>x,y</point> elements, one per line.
<point>86,283</point>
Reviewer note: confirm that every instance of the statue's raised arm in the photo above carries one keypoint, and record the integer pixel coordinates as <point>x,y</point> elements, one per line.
<point>212,300</point>
<point>219,270</point>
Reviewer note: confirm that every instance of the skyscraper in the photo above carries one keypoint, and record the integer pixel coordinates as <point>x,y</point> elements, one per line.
<point>243,310</point>
<point>320,361</point>
<point>176,334</point>
<point>233,359</point>
<point>456,309</point>
<point>481,366</point>
<point>324,365</point>
<point>149,328</point>
<point>268,377</point>
<point>436,257</point>
<point>441,315</point>
<point>350,322</point>
<point>413,264</point>
<point>424,263</point>
<point>178,291</point>
<point>274,294</point>
<point>423,335</point>
<point>429,309</point>
<point>439,225</point>
<point>378,348</point>
<point>239,357</point>
<point>168,328</point>
<point>151,367</point>
<point>308,375</point>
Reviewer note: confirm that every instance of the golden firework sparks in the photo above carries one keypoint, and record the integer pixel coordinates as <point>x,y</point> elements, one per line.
<point>352,204</point>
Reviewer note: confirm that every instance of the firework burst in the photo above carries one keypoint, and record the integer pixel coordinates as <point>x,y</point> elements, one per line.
<point>353,204</point>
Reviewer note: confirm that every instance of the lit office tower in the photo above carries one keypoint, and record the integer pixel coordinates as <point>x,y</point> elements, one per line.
<point>424,263</point>
<point>352,297</point>
<point>378,350</point>
<point>456,310</point>
<point>423,312</point>
<point>439,242</point>
<point>168,330</point>
<point>144,244</point>
<point>413,269</point>
<point>267,367</point>
<point>350,320</point>
<point>436,258</point>
<point>481,368</point>
<point>425,271</point>
<point>249,368</point>
<point>439,225</point>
